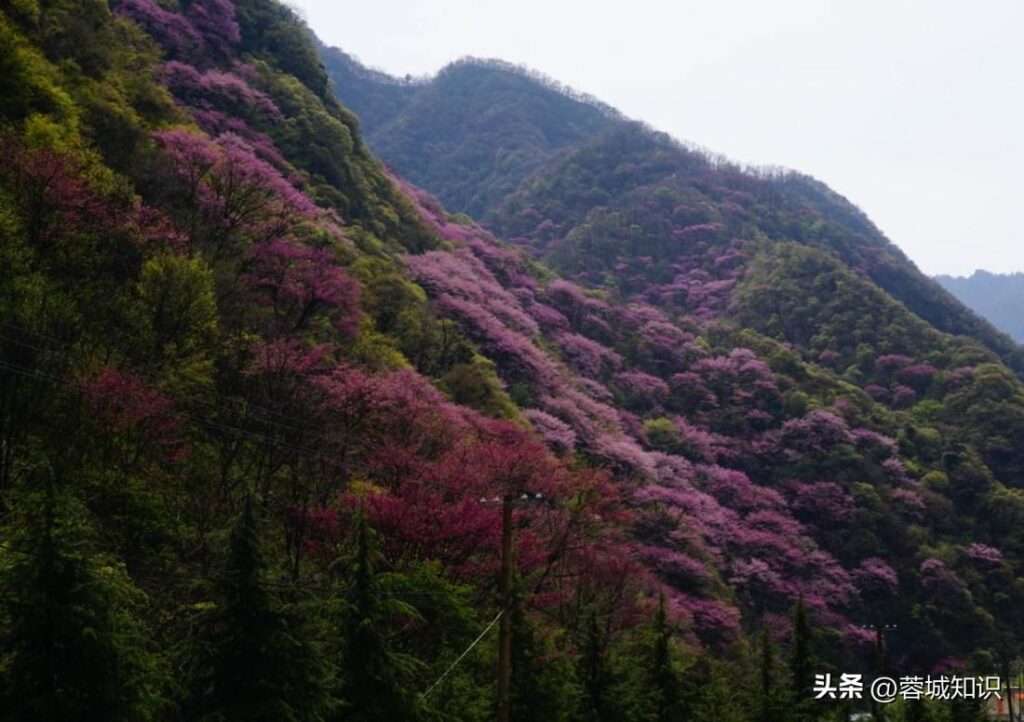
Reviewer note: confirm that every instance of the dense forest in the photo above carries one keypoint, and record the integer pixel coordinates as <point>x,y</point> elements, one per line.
<point>997,297</point>
<point>282,439</point>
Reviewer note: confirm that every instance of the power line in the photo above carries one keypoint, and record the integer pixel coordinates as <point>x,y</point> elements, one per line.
<point>461,656</point>
<point>241,401</point>
<point>28,372</point>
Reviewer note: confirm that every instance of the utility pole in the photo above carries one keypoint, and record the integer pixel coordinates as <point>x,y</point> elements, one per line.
<point>881,663</point>
<point>506,595</point>
<point>505,630</point>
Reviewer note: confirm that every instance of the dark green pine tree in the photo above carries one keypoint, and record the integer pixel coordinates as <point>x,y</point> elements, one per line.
<point>594,675</point>
<point>967,710</point>
<point>770,707</point>
<point>800,668</point>
<point>663,679</point>
<point>261,666</point>
<point>916,710</point>
<point>378,680</point>
<point>540,684</point>
<point>71,649</point>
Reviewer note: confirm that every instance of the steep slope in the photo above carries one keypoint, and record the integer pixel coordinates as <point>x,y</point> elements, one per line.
<point>225,410</point>
<point>765,476</point>
<point>469,134</point>
<point>633,210</point>
<point>997,297</point>
<point>476,134</point>
<point>262,403</point>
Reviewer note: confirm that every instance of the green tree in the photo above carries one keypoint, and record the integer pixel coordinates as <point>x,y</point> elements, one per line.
<point>770,703</point>
<point>262,668</point>
<point>663,677</point>
<point>377,678</point>
<point>801,663</point>
<point>594,674</point>
<point>72,648</point>
<point>540,685</point>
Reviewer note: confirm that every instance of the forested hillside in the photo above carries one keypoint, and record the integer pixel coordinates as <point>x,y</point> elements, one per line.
<point>471,133</point>
<point>616,194</point>
<point>997,297</point>
<point>273,424</point>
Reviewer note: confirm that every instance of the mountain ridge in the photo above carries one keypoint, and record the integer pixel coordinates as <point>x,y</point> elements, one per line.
<point>995,296</point>
<point>271,416</point>
<point>844,228</point>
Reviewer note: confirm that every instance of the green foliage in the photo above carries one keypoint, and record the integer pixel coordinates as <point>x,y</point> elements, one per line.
<point>377,682</point>
<point>260,664</point>
<point>144,349</point>
<point>495,123</point>
<point>663,435</point>
<point>28,83</point>
<point>476,385</point>
<point>178,320</point>
<point>73,647</point>
<point>669,700</point>
<point>801,665</point>
<point>541,675</point>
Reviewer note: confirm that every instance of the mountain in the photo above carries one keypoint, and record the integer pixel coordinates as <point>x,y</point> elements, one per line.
<point>282,438</point>
<point>618,184</point>
<point>471,133</point>
<point>997,297</point>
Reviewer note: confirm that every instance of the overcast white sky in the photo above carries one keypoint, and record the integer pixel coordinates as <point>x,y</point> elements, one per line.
<point>912,110</point>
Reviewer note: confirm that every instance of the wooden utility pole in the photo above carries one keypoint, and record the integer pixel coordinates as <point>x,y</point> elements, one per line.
<point>505,628</point>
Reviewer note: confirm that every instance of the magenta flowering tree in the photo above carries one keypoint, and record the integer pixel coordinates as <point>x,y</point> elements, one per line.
<point>666,347</point>
<point>825,508</point>
<point>892,362</point>
<point>286,357</point>
<point>299,283</point>
<point>215,22</point>
<point>895,471</point>
<point>984,554</point>
<point>738,383</point>
<point>873,444</point>
<point>917,376</point>
<point>217,124</point>
<point>959,377</point>
<point>909,503</point>
<point>556,433</point>
<point>877,392</point>
<point>207,27</point>
<point>642,390</point>
<point>460,275</point>
<point>903,396</point>
<point>697,443</point>
<point>816,433</point>
<point>942,583</point>
<point>55,196</point>
<point>135,416</point>
<point>587,356</point>
<point>230,198</point>
<point>171,29</point>
<point>876,581</point>
<point>734,489</point>
<point>691,393</point>
<point>551,319</point>
<point>219,90</point>
<point>587,314</point>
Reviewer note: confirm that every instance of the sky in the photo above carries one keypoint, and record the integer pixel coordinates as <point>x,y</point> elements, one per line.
<point>912,110</point>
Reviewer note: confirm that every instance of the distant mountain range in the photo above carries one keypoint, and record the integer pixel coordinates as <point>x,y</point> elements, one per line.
<point>999,297</point>
<point>610,202</point>
<point>640,253</point>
